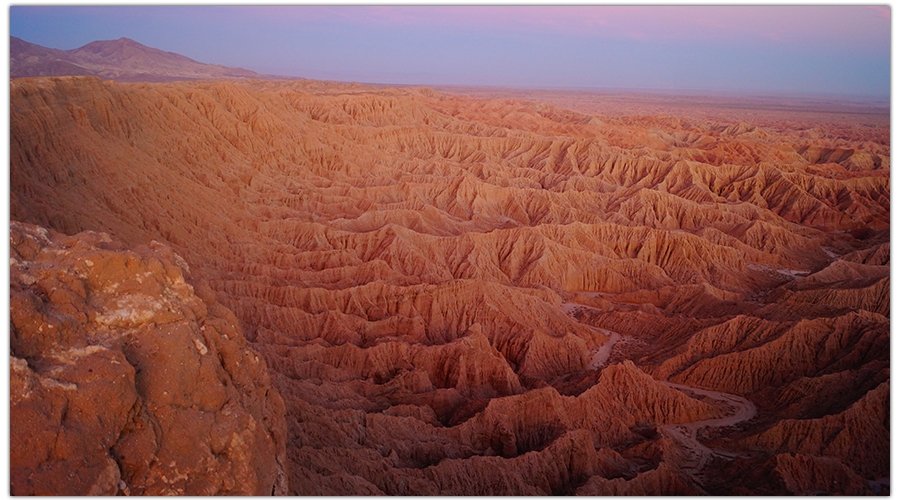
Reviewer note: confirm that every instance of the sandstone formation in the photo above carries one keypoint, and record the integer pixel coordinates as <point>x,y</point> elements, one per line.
<point>464,296</point>
<point>124,380</point>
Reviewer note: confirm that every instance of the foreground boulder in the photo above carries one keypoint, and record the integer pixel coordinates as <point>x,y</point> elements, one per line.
<point>124,378</point>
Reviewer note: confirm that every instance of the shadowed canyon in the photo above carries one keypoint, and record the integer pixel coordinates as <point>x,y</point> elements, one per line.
<point>302,287</point>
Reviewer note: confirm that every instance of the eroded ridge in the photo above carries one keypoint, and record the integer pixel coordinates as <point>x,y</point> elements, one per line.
<point>464,296</point>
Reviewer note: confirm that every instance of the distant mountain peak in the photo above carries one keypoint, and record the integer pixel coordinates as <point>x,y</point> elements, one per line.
<point>122,59</point>
<point>121,41</point>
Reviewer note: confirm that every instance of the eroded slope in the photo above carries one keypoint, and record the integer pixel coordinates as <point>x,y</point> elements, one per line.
<point>436,281</point>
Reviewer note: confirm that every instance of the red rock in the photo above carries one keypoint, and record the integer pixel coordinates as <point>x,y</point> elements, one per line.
<point>858,436</point>
<point>123,380</point>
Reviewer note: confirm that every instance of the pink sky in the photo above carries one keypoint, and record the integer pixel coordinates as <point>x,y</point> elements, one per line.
<point>858,26</point>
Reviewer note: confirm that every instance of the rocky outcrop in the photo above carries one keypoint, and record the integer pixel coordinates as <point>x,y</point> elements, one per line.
<point>875,256</point>
<point>832,393</point>
<point>805,475</point>
<point>657,482</point>
<point>810,347</point>
<point>124,379</point>
<point>858,436</point>
<point>798,474</point>
<point>538,442</point>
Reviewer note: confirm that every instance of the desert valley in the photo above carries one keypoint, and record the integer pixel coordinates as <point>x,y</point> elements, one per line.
<point>254,286</point>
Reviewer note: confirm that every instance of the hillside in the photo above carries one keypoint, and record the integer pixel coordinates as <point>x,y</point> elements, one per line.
<point>122,60</point>
<point>470,297</point>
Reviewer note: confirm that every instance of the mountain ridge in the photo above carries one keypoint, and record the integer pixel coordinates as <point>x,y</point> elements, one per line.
<point>124,60</point>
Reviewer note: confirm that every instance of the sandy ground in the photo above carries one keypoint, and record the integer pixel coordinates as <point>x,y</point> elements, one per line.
<point>698,455</point>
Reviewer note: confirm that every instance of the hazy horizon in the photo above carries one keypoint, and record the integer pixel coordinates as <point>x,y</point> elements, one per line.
<point>808,50</point>
<point>868,98</point>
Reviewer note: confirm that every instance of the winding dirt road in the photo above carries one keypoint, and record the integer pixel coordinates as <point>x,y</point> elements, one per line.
<point>697,454</point>
<point>601,355</point>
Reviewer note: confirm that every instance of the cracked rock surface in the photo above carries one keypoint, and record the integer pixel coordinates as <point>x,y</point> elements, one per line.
<point>125,378</point>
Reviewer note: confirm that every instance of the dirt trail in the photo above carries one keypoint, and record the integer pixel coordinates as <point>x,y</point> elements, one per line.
<point>601,355</point>
<point>570,307</point>
<point>698,455</point>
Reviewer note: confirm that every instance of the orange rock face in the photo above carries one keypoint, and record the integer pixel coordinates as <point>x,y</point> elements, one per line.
<point>123,380</point>
<point>451,295</point>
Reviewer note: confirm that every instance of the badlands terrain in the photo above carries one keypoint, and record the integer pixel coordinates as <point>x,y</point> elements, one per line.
<point>257,287</point>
